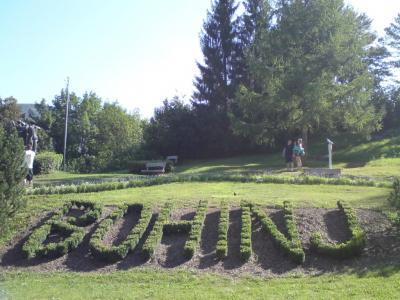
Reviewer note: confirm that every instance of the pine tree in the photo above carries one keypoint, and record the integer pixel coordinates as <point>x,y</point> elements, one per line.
<point>219,44</point>
<point>12,174</point>
<point>393,40</point>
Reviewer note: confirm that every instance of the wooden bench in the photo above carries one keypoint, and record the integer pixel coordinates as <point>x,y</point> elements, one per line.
<point>154,168</point>
<point>322,172</point>
<point>173,158</point>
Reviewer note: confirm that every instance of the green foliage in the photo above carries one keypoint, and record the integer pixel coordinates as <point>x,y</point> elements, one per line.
<point>292,246</point>
<point>196,229</point>
<point>47,162</point>
<point>350,248</point>
<point>177,227</point>
<point>154,238</point>
<point>12,174</point>
<point>115,253</point>
<point>93,211</point>
<point>245,233</point>
<point>394,197</point>
<point>223,226</point>
<point>34,246</point>
<point>169,166</point>
<point>9,111</point>
<point>136,166</point>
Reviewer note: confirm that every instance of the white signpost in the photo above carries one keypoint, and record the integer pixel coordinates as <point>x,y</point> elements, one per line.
<point>330,143</point>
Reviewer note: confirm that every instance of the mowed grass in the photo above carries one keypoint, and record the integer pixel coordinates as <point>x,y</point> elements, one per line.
<point>157,284</point>
<point>188,194</point>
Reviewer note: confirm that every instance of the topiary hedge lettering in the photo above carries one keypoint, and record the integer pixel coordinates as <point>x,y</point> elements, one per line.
<point>154,238</point>
<point>350,248</point>
<point>245,233</point>
<point>292,246</point>
<point>195,230</point>
<point>92,213</point>
<point>223,225</point>
<point>177,227</point>
<point>34,246</point>
<point>116,253</point>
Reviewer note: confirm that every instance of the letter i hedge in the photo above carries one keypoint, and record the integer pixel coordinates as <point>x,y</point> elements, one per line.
<point>195,230</point>
<point>292,246</point>
<point>223,226</point>
<point>352,247</point>
<point>115,253</point>
<point>245,234</point>
<point>73,235</point>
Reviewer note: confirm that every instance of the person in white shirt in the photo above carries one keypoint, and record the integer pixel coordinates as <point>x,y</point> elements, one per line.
<point>29,158</point>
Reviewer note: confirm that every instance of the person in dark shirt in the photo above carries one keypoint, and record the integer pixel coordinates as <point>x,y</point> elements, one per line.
<point>288,155</point>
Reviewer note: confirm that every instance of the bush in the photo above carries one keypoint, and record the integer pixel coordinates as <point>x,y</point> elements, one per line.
<point>352,247</point>
<point>115,253</point>
<point>245,233</point>
<point>136,166</point>
<point>292,246</point>
<point>12,174</point>
<point>195,230</point>
<point>169,166</point>
<point>156,233</point>
<point>34,246</point>
<point>223,226</point>
<point>47,162</point>
<point>177,227</point>
<point>394,197</point>
<point>92,213</point>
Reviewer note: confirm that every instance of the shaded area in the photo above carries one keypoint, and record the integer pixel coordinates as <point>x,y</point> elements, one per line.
<point>209,239</point>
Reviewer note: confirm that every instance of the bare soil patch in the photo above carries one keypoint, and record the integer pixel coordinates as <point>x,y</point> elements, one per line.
<point>383,246</point>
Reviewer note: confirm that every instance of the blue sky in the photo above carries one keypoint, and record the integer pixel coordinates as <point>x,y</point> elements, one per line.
<point>136,52</point>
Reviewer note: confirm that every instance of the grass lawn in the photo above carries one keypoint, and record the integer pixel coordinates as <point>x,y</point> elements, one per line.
<point>156,284</point>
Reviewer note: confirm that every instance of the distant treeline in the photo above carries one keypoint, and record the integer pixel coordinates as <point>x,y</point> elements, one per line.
<point>271,70</point>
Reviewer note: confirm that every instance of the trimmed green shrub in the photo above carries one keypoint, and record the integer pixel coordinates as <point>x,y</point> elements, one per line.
<point>292,246</point>
<point>169,166</point>
<point>34,246</point>
<point>115,253</point>
<point>177,227</point>
<point>195,230</point>
<point>350,248</point>
<point>223,226</point>
<point>394,197</point>
<point>156,233</point>
<point>92,212</point>
<point>245,233</point>
<point>47,162</point>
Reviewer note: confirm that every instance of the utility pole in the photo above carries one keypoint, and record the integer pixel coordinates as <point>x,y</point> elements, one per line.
<point>66,127</point>
<point>330,143</point>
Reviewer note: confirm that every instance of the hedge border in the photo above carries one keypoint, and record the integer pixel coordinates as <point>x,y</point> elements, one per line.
<point>116,253</point>
<point>245,232</point>
<point>192,242</point>
<point>223,226</point>
<point>177,227</point>
<point>166,179</point>
<point>34,247</point>
<point>353,247</point>
<point>292,246</point>
<point>155,235</point>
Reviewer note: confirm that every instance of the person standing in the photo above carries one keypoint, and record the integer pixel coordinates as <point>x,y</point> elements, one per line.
<point>288,155</point>
<point>298,152</point>
<point>29,158</point>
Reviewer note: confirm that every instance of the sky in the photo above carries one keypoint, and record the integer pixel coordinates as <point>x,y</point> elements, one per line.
<point>133,51</point>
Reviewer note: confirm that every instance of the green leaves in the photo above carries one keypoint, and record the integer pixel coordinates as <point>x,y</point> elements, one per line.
<point>352,247</point>
<point>223,226</point>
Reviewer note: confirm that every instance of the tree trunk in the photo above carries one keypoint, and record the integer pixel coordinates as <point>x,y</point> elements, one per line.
<point>304,134</point>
